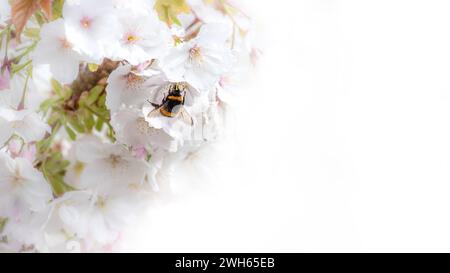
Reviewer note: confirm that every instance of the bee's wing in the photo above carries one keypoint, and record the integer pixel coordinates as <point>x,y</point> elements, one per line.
<point>184,116</point>
<point>155,105</point>
<point>155,112</point>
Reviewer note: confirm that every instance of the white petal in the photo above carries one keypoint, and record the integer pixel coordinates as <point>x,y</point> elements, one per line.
<point>67,71</point>
<point>32,128</point>
<point>6,131</point>
<point>55,49</point>
<point>100,231</point>
<point>7,166</point>
<point>35,191</point>
<point>89,148</point>
<point>126,88</point>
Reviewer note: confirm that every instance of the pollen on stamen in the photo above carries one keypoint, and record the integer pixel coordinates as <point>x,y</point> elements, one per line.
<point>131,38</point>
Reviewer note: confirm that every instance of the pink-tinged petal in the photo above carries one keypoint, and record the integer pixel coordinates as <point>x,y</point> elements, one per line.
<point>112,246</point>
<point>255,55</point>
<point>140,152</point>
<point>5,80</point>
<point>29,152</point>
<point>14,147</point>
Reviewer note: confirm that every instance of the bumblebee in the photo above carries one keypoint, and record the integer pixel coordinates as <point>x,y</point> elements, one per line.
<point>172,105</point>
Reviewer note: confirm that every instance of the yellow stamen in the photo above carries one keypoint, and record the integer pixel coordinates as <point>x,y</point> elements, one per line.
<point>131,38</point>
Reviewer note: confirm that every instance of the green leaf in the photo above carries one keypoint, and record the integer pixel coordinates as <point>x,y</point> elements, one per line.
<point>54,118</point>
<point>62,91</point>
<point>43,145</point>
<point>57,87</point>
<point>89,121</point>
<point>40,18</point>
<point>57,8</point>
<point>82,99</point>
<point>58,185</point>
<point>102,100</point>
<point>111,134</point>
<point>168,10</point>
<point>174,19</point>
<point>99,112</point>
<point>66,93</point>
<point>94,94</point>
<point>75,123</point>
<point>46,105</point>
<point>70,132</point>
<point>99,124</point>
<point>54,168</point>
<point>18,67</point>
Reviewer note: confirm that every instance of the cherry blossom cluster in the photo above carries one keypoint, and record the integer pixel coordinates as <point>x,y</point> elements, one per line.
<point>88,117</point>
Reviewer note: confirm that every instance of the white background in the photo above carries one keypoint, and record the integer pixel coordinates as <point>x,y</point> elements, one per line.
<point>346,145</point>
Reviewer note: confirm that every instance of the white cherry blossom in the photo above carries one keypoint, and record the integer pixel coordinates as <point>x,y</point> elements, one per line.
<point>92,27</point>
<point>202,60</point>
<point>134,6</point>
<point>25,123</point>
<point>108,164</point>
<point>55,49</point>
<point>39,87</point>
<point>22,187</point>
<point>129,87</point>
<point>79,192</point>
<point>143,38</point>
<point>132,129</point>
<point>97,216</point>
<point>25,230</point>
<point>11,96</point>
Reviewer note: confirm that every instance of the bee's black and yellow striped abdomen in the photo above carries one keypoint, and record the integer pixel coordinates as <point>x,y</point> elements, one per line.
<point>172,104</point>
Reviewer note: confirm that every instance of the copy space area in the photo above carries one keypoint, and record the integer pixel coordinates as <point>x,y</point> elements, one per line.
<point>341,141</point>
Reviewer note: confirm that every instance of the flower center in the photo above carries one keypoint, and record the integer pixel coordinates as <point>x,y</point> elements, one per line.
<point>131,38</point>
<point>17,178</point>
<point>115,160</point>
<point>79,167</point>
<point>86,22</point>
<point>65,44</point>
<point>101,202</point>
<point>195,54</point>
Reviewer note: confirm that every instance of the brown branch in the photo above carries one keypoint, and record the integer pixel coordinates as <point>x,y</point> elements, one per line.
<point>87,80</point>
